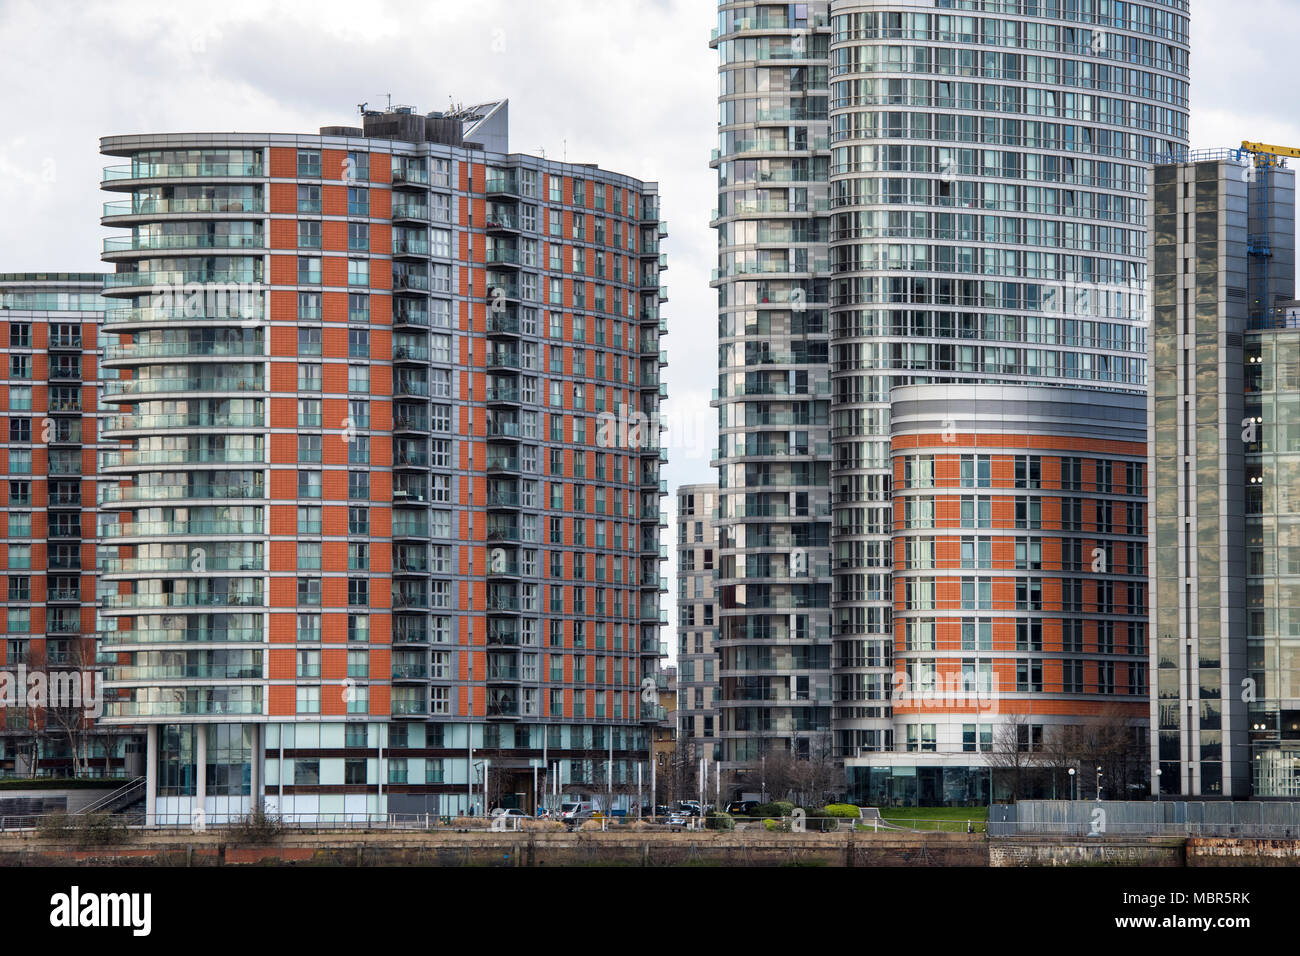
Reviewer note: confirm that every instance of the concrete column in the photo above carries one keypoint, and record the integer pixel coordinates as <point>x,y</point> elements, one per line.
<point>201,767</point>
<point>255,787</point>
<point>150,774</point>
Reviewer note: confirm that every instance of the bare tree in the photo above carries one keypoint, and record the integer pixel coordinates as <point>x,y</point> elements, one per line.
<point>1012,753</point>
<point>1111,742</point>
<point>65,712</point>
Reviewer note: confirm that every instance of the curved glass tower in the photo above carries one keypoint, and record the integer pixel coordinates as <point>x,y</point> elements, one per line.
<point>984,220</point>
<point>988,183</point>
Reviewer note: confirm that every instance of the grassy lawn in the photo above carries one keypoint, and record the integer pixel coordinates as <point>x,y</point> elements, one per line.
<point>952,819</point>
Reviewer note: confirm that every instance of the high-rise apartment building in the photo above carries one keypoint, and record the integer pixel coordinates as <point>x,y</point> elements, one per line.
<point>50,344</point>
<point>1225,478</point>
<point>986,173</point>
<point>697,657</point>
<point>383,499</point>
<point>773,582</point>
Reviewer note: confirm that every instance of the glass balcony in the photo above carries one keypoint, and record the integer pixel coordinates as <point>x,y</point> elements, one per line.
<point>182,171</point>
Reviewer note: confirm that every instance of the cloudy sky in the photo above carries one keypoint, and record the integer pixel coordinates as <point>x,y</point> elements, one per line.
<point>627,84</point>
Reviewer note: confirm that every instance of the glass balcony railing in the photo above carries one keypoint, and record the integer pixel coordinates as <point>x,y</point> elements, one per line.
<point>143,529</point>
<point>147,350</point>
<point>183,599</point>
<point>148,207</point>
<point>181,456</point>
<point>180,171</point>
<point>149,386</point>
<point>117,423</point>
<point>184,241</point>
<point>115,493</point>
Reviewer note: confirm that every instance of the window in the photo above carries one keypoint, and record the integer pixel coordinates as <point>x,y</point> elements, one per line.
<point>977,553</point>
<point>1029,676</point>
<point>358,592</point>
<point>309,377</point>
<point>309,484</point>
<point>1072,676</point>
<point>918,471</point>
<point>309,663</point>
<point>309,306</point>
<point>309,518</point>
<point>1071,474</point>
<point>1029,737</point>
<point>309,555</point>
<point>1029,634</point>
<point>358,272</point>
<point>976,471</point>
<point>358,520</point>
<point>309,163</point>
<point>976,594</point>
<point>306,772</point>
<point>309,449</point>
<point>359,485</point>
<point>976,512</point>
<point>1029,512</point>
<point>309,233</point>
<point>976,634</point>
<point>359,450</point>
<point>359,379</point>
<point>309,340</point>
<point>1029,554</point>
<point>309,270</point>
<point>308,702</point>
<point>358,201</point>
<point>309,592</point>
<point>1029,471</point>
<point>309,413</point>
<point>309,628</point>
<point>1029,594</point>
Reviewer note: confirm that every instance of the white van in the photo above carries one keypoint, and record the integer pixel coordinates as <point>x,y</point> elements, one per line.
<point>570,810</point>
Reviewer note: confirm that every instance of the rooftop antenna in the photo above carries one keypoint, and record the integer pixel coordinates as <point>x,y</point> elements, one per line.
<point>390,102</point>
<point>543,151</point>
<point>361,107</point>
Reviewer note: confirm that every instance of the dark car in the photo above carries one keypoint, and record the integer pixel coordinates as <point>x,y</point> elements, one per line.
<point>742,808</point>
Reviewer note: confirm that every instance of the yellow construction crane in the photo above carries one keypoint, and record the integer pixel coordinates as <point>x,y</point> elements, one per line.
<point>1266,155</point>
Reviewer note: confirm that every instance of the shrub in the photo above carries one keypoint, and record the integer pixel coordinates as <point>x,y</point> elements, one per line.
<point>820,821</point>
<point>256,826</point>
<point>469,823</point>
<point>777,826</point>
<point>541,825</point>
<point>777,808</point>
<point>845,810</point>
<point>84,829</point>
<point>717,820</point>
<point>592,824</point>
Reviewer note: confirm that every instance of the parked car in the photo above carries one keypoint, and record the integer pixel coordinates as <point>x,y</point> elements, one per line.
<point>677,819</point>
<point>742,808</point>
<point>510,814</point>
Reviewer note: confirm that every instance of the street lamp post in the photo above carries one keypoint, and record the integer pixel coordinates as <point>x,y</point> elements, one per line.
<point>1072,795</point>
<point>1099,785</point>
<point>1158,772</point>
